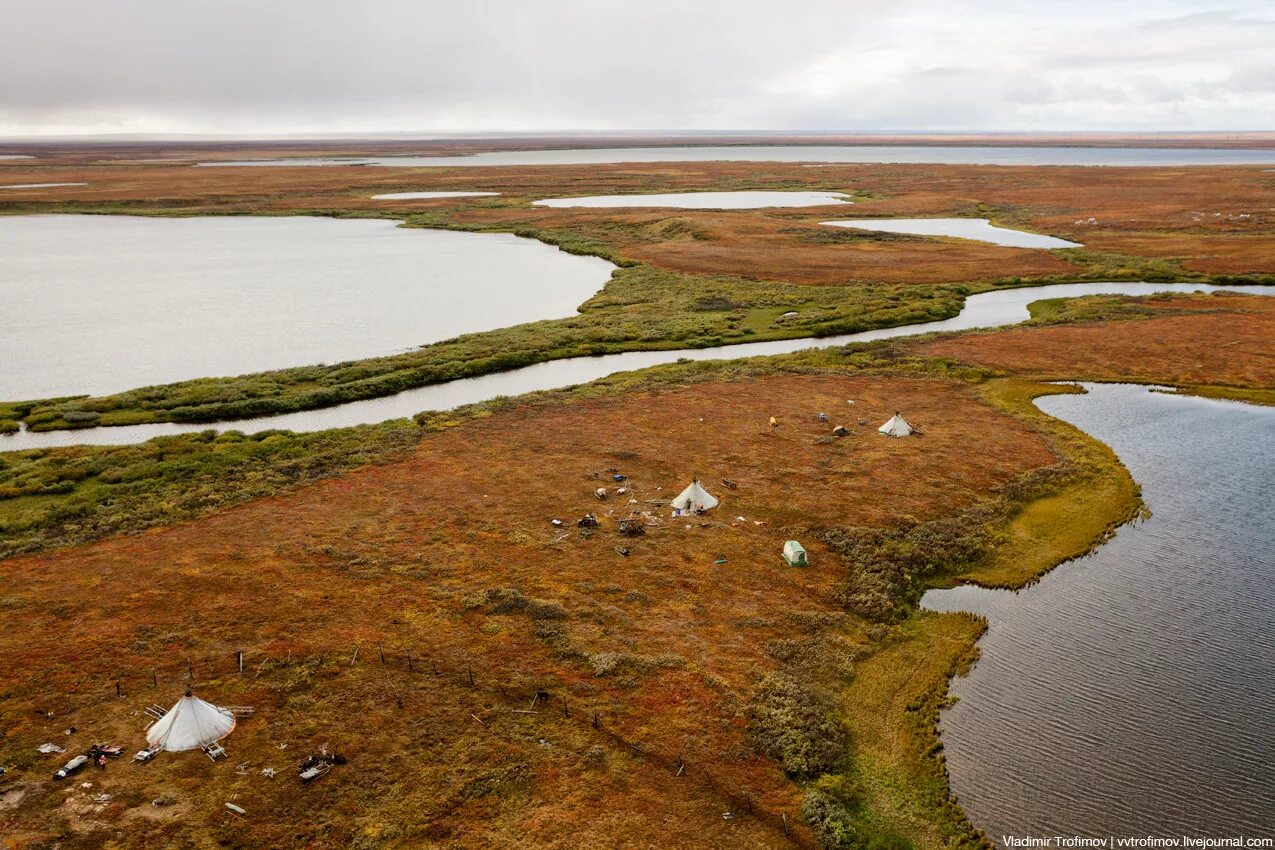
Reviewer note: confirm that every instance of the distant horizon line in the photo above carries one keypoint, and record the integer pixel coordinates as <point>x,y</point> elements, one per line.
<point>433,135</point>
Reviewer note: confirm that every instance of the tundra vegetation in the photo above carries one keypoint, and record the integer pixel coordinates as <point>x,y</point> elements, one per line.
<point>400,594</point>
<point>723,679</point>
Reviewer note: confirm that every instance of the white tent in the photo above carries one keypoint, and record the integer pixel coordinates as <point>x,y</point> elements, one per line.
<point>694,498</point>
<point>896,427</point>
<point>189,725</point>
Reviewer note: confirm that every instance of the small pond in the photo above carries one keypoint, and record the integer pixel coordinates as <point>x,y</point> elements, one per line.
<point>705,200</point>
<point>421,196</point>
<point>979,229</point>
<point>39,185</point>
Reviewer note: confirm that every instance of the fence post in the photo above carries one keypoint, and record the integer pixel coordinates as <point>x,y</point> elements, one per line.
<point>471,675</point>
<point>382,651</point>
<point>240,654</point>
<point>434,665</point>
<point>595,718</point>
<point>355,659</point>
<point>154,677</point>
<point>565,711</point>
<point>410,669</point>
<point>785,817</point>
<point>117,689</point>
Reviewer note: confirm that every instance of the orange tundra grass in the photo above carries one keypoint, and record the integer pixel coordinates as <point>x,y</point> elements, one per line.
<point>666,643</point>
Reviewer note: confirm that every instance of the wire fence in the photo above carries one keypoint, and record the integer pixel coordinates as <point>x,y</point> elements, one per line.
<point>509,687</point>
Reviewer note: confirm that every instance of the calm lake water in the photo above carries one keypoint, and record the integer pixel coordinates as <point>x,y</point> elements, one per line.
<point>990,309</point>
<point>979,229</point>
<point>1130,692</point>
<point>705,200</point>
<point>39,185</point>
<point>813,153</point>
<point>98,304</point>
<point>420,196</point>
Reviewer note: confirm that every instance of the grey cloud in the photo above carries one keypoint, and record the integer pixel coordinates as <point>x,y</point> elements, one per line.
<point>322,66</point>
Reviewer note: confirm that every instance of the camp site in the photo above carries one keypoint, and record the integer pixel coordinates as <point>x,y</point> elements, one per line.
<point>715,425</point>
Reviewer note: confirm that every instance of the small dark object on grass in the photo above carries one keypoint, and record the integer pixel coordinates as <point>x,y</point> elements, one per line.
<point>71,767</point>
<point>618,477</point>
<point>622,550</point>
<point>840,431</point>
<point>631,528</point>
<point>318,765</point>
<point>729,485</point>
<point>587,521</point>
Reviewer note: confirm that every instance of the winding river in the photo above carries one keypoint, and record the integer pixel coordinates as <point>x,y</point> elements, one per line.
<point>986,310</point>
<point>1129,693</point>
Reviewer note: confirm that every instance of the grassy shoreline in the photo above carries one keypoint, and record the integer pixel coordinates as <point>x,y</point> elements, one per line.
<point>901,790</point>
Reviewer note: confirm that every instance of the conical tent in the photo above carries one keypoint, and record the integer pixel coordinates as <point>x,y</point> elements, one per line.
<point>896,427</point>
<point>693,498</point>
<point>189,725</point>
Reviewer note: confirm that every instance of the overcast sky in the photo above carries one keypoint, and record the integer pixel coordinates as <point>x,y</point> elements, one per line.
<point>299,66</point>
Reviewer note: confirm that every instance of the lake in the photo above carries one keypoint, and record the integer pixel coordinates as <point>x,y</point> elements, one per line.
<point>39,185</point>
<point>1130,692</point>
<point>986,310</point>
<point>420,196</point>
<point>968,155</point>
<point>705,200</point>
<point>99,304</point>
<point>979,229</point>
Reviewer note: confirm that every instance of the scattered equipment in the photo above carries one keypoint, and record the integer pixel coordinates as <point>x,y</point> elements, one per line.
<point>795,554</point>
<point>317,765</point>
<point>71,767</point>
<point>840,431</point>
<point>632,527</point>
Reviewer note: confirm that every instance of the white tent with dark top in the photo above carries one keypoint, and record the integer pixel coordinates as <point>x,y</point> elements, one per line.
<point>695,498</point>
<point>190,725</point>
<point>896,427</point>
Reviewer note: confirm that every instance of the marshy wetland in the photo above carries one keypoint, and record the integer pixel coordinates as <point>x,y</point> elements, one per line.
<point>390,560</point>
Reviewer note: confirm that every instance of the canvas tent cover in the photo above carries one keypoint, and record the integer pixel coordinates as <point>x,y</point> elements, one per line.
<point>189,725</point>
<point>694,497</point>
<point>896,427</point>
<point>794,553</point>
